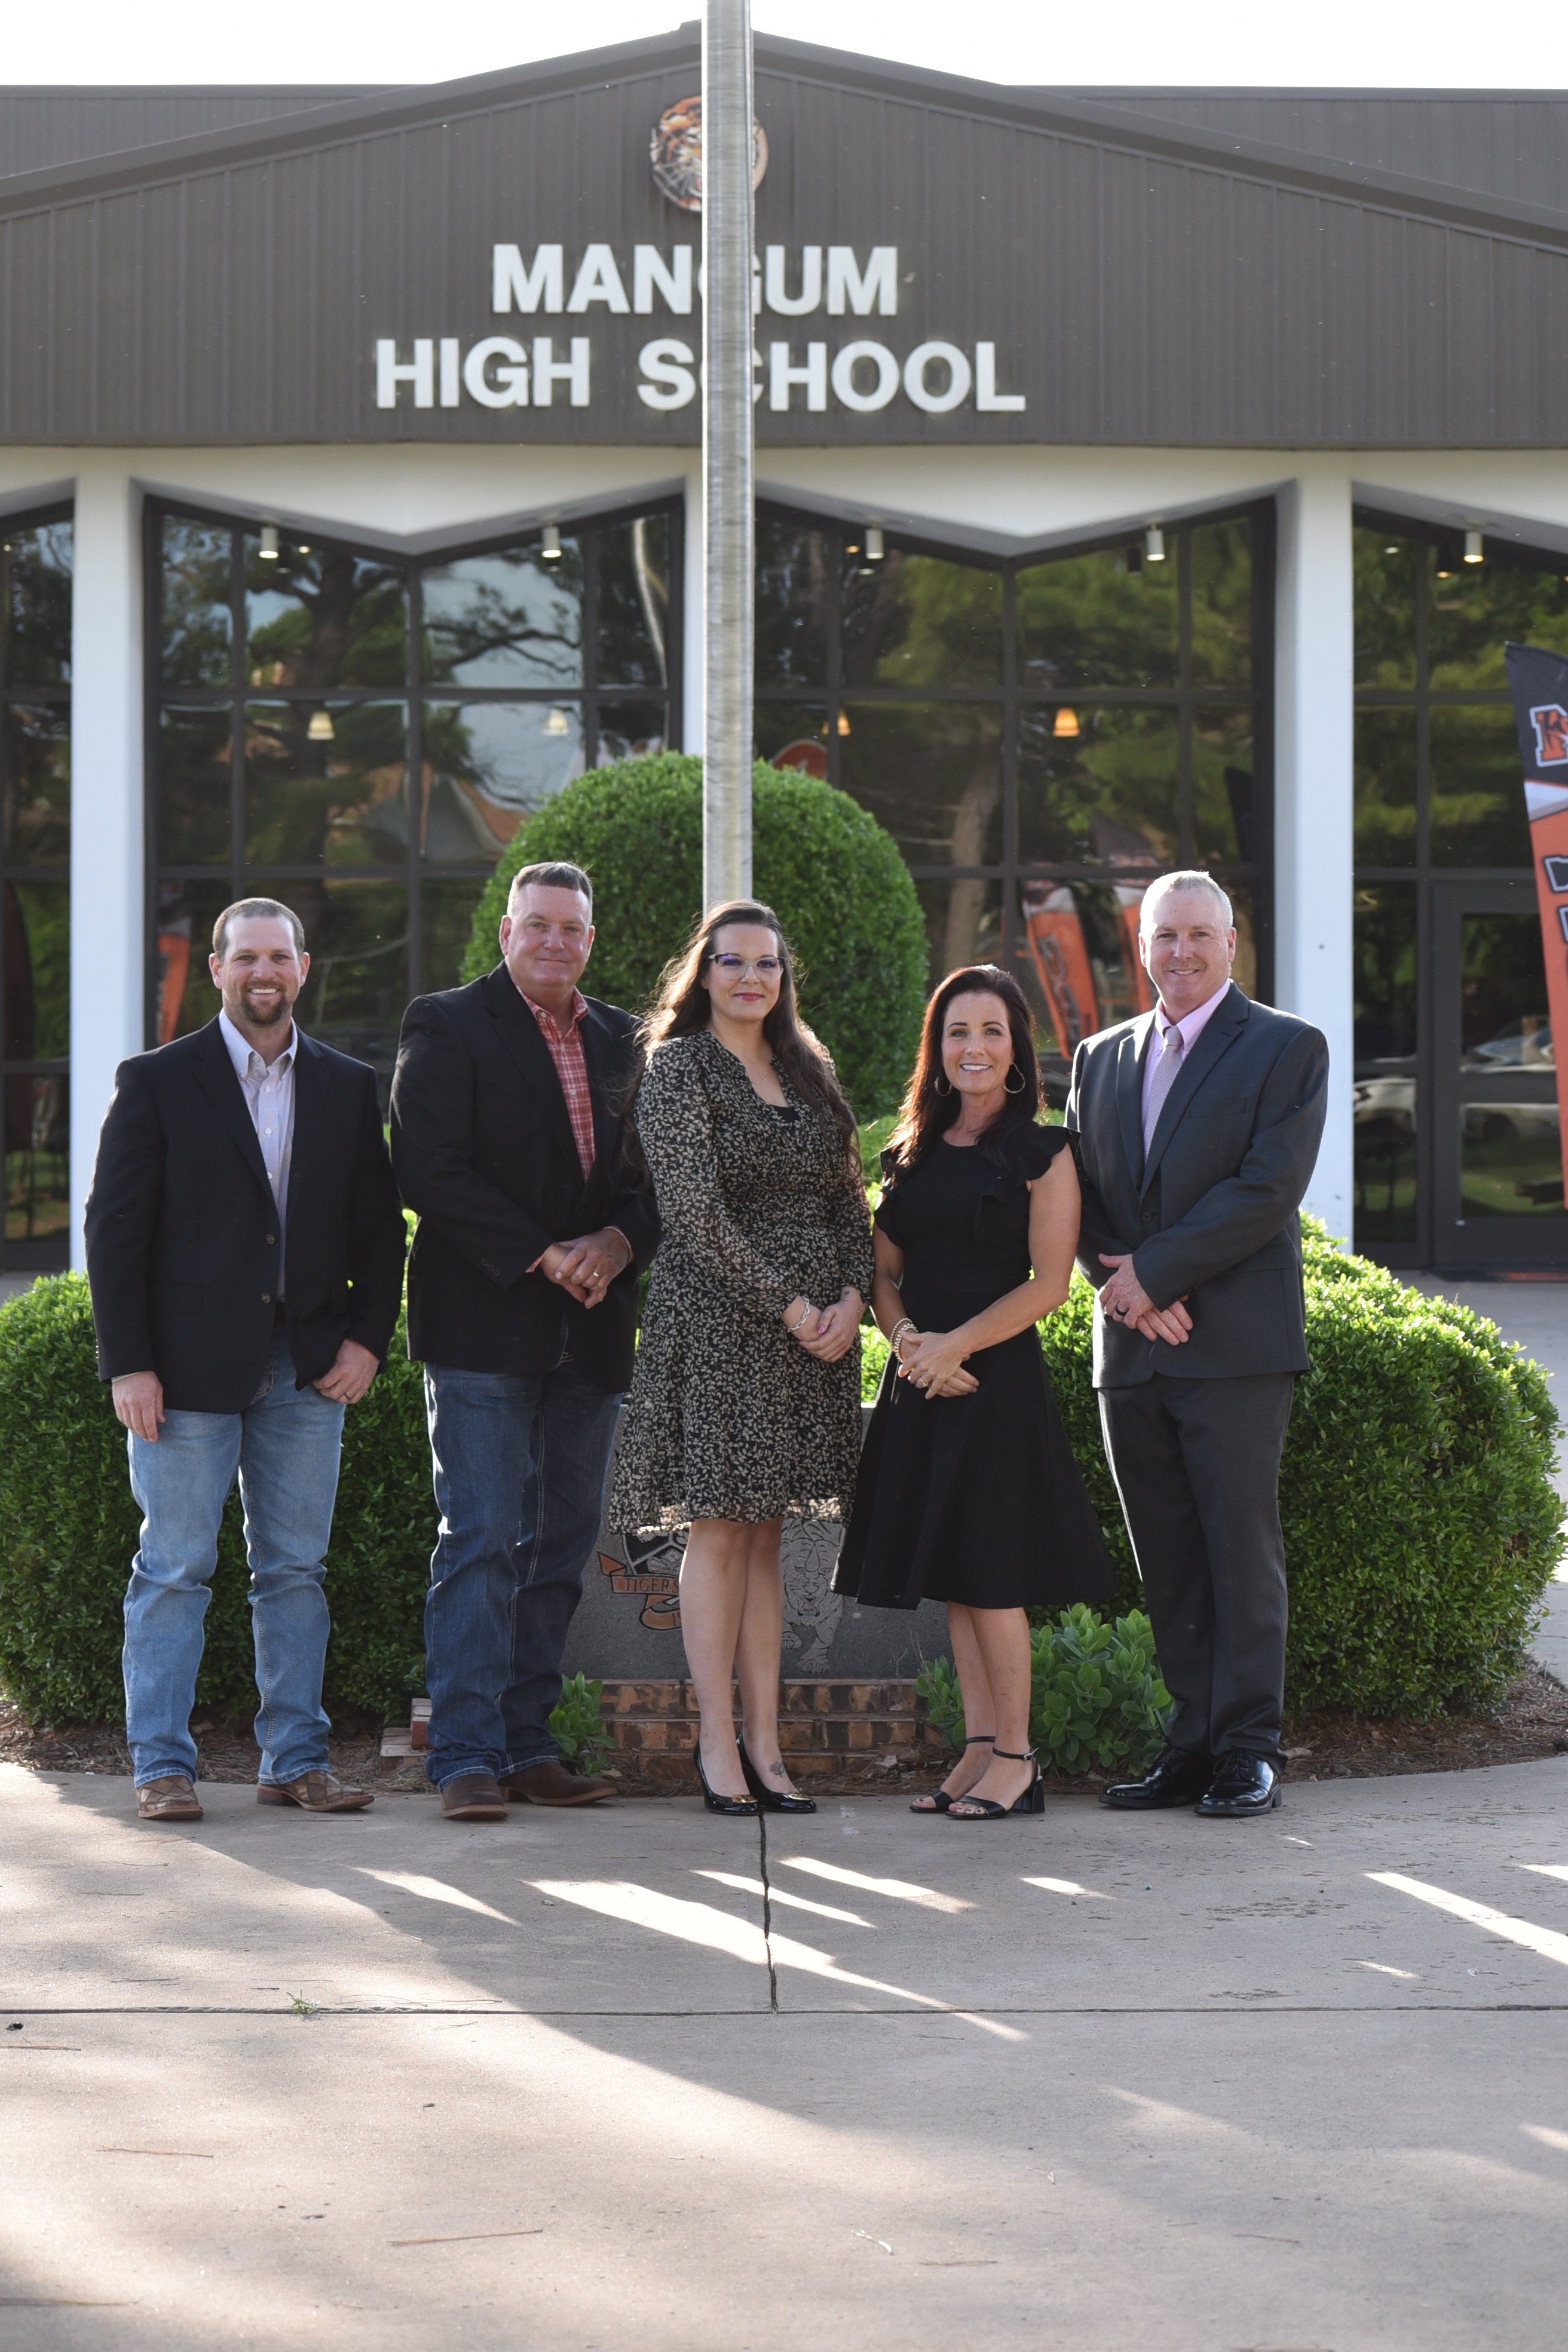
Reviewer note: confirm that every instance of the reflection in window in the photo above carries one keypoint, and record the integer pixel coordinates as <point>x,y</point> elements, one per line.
<point>321,616</point>
<point>1503,1021</point>
<point>35,555</point>
<point>633,603</point>
<point>1385,799</point>
<point>1079,960</point>
<point>508,618</point>
<point>358,983</point>
<point>1477,607</point>
<point>964,922</point>
<point>1106,619</point>
<point>1477,815</point>
<point>1386,563</point>
<point>1510,1160</point>
<point>325,782</point>
<point>630,730</point>
<point>1099,786</point>
<point>487,766</point>
<point>914,620</point>
<point>1222,603</point>
<point>930,772</point>
<point>198,602</point>
<point>793,562</point>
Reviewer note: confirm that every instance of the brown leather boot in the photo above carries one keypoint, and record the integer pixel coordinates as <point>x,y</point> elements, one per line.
<point>550,1783</point>
<point>473,1797</point>
<point>314,1792</point>
<point>171,1799</point>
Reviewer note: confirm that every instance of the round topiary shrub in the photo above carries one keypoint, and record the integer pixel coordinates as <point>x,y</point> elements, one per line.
<point>1422,1525</point>
<point>68,1528</point>
<point>834,876</point>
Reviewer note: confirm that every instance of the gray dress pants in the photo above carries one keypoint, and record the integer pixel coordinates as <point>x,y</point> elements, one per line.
<point>1196,1463</point>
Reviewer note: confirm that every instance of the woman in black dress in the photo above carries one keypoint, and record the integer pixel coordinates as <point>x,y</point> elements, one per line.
<point>968,1490</point>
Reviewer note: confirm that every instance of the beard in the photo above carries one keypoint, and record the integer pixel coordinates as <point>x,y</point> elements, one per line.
<point>266,1016</point>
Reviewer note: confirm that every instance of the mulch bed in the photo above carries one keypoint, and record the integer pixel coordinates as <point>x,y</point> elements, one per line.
<point>1531,1723</point>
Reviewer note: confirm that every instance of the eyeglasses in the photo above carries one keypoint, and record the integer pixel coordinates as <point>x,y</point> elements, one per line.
<point>734,967</point>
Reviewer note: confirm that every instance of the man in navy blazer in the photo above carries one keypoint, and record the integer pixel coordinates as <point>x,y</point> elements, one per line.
<point>508,1135</point>
<point>1198,1128</point>
<point>245,1249</point>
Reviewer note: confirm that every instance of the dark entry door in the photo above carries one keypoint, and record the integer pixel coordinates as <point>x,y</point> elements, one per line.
<point>1496,1152</point>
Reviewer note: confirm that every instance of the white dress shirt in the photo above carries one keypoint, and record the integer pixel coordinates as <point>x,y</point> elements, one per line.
<point>268,1092</point>
<point>1191,1026</point>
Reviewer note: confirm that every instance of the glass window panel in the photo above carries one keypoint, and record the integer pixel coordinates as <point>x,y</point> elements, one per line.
<point>1099,786</point>
<point>1477,808</point>
<point>1510,1160</point>
<point>963,923</point>
<point>930,772</point>
<point>321,616</point>
<point>1384,1119</point>
<point>197,616</point>
<point>1077,957</point>
<point>186,999</point>
<point>1242,897</point>
<point>914,620</point>
<point>355,995</point>
<point>445,925</point>
<point>37,603</point>
<point>1503,1021</point>
<point>1225,816</point>
<point>1384,573</point>
<point>793,735</point>
<point>508,618</point>
<point>38,789</point>
<point>325,780</point>
<point>1222,603</point>
<point>1477,607</point>
<point>37,971</point>
<point>1385,787</point>
<point>487,766</point>
<point>1383,960</point>
<point>631,730</point>
<point>633,603</point>
<point>193,786</point>
<point>37,1159</point>
<point>1107,619</point>
<point>792,566</point>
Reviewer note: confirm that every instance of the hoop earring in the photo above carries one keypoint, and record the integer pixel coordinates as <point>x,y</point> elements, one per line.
<point>1014,1071</point>
<point>942,1087</point>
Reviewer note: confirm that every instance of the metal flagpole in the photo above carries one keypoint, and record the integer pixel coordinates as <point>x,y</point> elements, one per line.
<point>730,529</point>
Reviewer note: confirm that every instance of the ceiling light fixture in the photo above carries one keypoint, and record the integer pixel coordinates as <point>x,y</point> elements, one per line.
<point>320,729</point>
<point>1474,551</point>
<point>557,723</point>
<point>874,547</point>
<point>844,723</point>
<point>1154,543</point>
<point>1066,722</point>
<point>550,543</point>
<point>270,542</point>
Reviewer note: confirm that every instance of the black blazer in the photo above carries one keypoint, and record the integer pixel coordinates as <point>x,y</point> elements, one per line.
<point>482,1144</point>
<point>1212,1213</point>
<point>182,1233</point>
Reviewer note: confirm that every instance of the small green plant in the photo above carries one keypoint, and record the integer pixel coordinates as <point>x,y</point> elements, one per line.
<point>577,1727</point>
<point>1096,1696</point>
<point>303,2007</point>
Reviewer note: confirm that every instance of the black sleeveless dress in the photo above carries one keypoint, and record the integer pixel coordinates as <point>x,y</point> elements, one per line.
<point>976,1498</point>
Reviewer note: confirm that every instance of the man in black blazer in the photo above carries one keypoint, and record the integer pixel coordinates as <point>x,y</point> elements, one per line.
<point>508,1139</point>
<point>1198,1128</point>
<point>244,1251</point>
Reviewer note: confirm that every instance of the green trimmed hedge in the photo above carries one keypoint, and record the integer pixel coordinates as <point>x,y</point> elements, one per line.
<point>1422,1524</point>
<point>833,875</point>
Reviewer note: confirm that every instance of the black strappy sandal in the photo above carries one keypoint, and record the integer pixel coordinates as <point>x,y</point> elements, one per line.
<point>986,1808</point>
<point>942,1802</point>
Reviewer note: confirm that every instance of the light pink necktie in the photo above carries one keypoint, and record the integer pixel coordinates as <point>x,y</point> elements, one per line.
<point>1165,1078</point>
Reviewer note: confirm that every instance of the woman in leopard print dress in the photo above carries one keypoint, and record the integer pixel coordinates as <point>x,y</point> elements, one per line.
<point>745,1403</point>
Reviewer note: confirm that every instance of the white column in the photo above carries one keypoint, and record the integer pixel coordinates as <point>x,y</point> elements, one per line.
<point>694,666</point>
<point>107,890</point>
<point>1314,800</point>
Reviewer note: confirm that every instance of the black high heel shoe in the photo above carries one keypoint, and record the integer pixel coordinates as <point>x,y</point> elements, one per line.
<point>773,1801</point>
<point>941,1801</point>
<point>986,1808</point>
<point>711,1798</point>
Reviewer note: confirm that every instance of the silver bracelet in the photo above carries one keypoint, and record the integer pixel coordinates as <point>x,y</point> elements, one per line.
<point>791,1329</point>
<point>905,1323</point>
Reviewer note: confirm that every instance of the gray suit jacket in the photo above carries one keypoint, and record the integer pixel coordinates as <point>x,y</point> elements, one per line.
<point>1212,1215</point>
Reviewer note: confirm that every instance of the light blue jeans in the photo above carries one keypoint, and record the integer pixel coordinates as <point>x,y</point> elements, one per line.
<point>285,1447</point>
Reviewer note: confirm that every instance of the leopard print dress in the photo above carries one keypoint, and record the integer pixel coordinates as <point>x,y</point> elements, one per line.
<point>728,1417</point>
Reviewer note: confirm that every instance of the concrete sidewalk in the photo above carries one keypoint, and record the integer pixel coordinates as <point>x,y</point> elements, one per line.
<point>1084,2082</point>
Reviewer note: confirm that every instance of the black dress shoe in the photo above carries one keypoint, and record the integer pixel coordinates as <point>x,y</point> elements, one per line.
<point>1177,1777</point>
<point>1242,1784</point>
<point>773,1801</point>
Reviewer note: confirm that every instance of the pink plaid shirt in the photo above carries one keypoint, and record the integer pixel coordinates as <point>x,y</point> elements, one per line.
<point>572,1069</point>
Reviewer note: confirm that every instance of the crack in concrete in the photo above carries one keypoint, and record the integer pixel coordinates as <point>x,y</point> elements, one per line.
<point>767,1906</point>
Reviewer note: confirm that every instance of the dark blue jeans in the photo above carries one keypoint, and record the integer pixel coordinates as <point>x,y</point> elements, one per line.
<point>520,1485</point>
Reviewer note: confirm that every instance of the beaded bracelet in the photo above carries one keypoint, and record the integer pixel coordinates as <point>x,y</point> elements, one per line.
<point>791,1329</point>
<point>905,1323</point>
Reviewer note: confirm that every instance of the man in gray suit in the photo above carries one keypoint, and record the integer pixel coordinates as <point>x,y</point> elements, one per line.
<point>1199,1129</point>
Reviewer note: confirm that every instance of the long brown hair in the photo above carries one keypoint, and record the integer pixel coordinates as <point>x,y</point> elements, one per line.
<point>683,1006</point>
<point>926,1113</point>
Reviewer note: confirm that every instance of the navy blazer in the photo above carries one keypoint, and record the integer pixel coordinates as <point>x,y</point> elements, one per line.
<point>182,1232</point>
<point>1211,1216</point>
<point>482,1144</point>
